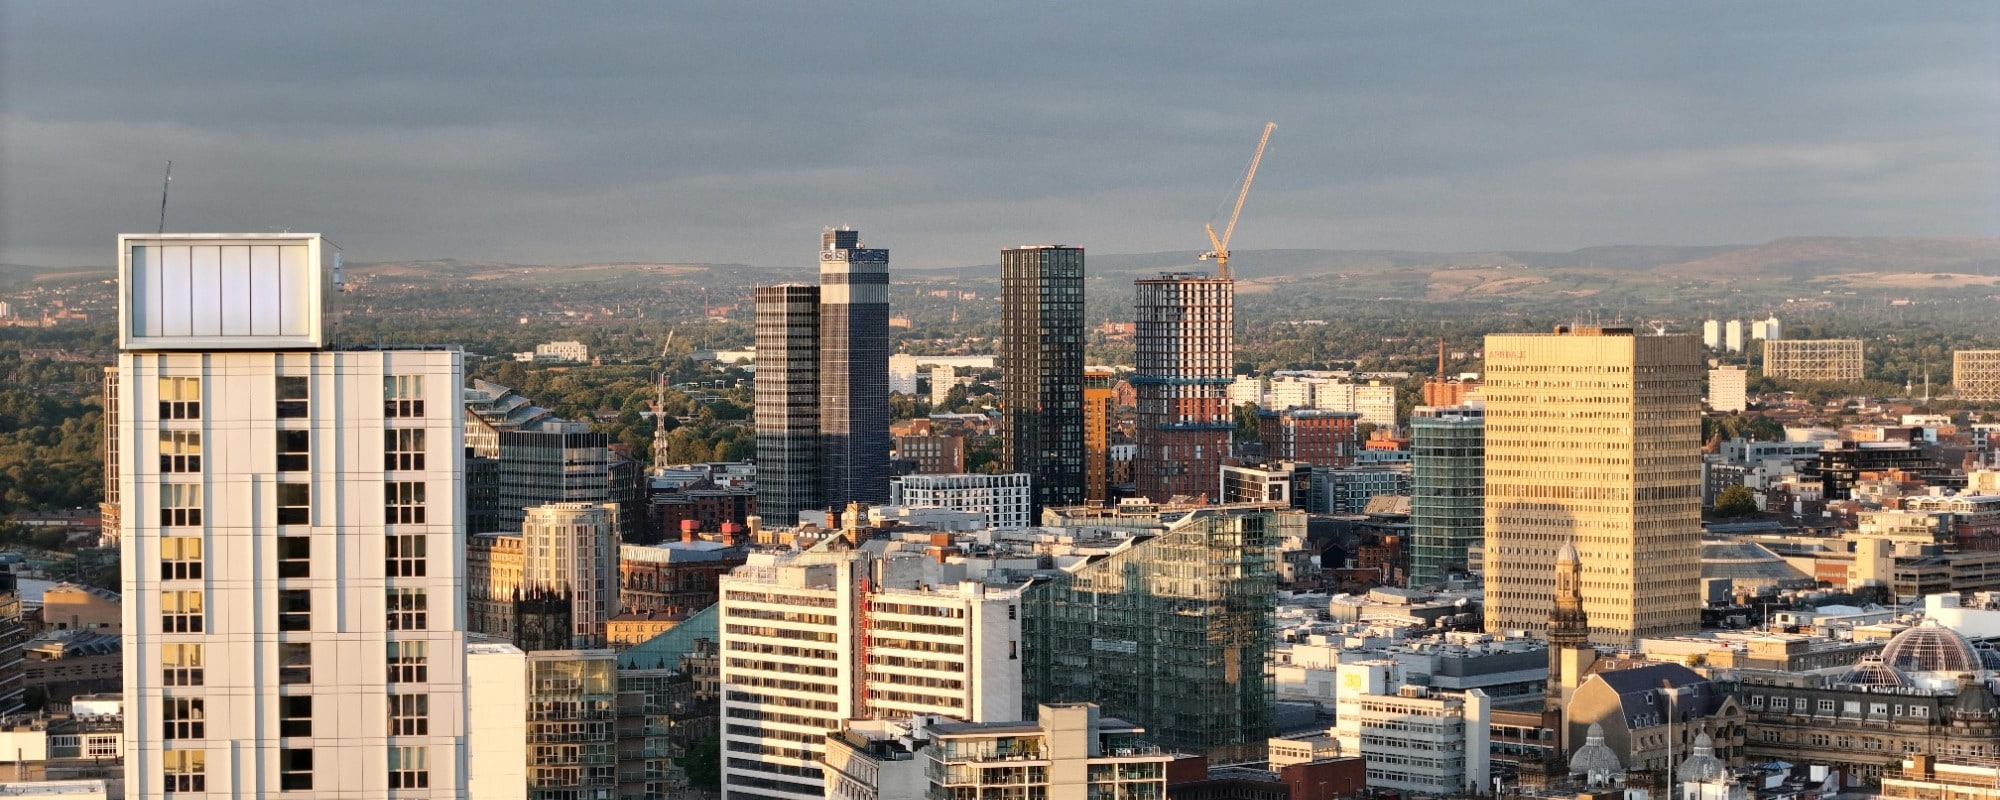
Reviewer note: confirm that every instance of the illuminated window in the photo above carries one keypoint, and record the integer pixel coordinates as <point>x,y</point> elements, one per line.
<point>181,611</point>
<point>180,558</point>
<point>180,451</point>
<point>181,664</point>
<point>180,398</point>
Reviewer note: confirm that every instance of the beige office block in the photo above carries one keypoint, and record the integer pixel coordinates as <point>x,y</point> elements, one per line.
<point>1813,359</point>
<point>1593,435</point>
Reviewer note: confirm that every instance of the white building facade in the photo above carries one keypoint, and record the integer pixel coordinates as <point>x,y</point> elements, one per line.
<point>1728,389</point>
<point>812,640</point>
<point>1006,500</point>
<point>572,549</point>
<point>1414,738</point>
<point>291,534</point>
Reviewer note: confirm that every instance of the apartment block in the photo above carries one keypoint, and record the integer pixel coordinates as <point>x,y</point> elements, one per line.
<point>1068,752</point>
<point>1975,375</point>
<point>813,639</point>
<point>1041,369</point>
<point>1728,389</point>
<point>1007,501</point>
<point>1186,350</point>
<point>1813,359</point>
<point>293,611</point>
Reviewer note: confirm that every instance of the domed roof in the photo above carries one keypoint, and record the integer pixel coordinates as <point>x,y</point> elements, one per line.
<point>1870,671</point>
<point>1930,648</point>
<point>1595,760</point>
<point>1703,765</point>
<point>1568,554</point>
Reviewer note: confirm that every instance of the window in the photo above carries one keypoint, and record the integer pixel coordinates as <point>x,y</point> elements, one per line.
<point>295,662</point>
<point>1826,706</point>
<point>294,504</point>
<point>184,718</point>
<point>409,714</point>
<point>180,558</point>
<point>180,505</point>
<point>180,451</point>
<point>405,449</point>
<point>293,396</point>
<point>180,611</point>
<point>409,662</point>
<point>294,451</point>
<point>185,770</point>
<point>1920,711</point>
<point>403,396</point>
<point>294,557</point>
<point>407,609</point>
<point>409,767</point>
<point>406,555</point>
<point>294,610</point>
<point>295,715</point>
<point>295,769</point>
<point>180,664</point>
<point>180,398</point>
<point>404,502</point>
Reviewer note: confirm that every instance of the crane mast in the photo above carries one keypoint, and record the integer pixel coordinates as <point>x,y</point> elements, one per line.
<point>1221,244</point>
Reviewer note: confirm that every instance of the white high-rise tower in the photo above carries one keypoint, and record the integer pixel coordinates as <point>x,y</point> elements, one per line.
<point>291,531</point>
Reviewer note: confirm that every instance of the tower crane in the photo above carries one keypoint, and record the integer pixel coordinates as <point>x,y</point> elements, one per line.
<point>1221,245</point>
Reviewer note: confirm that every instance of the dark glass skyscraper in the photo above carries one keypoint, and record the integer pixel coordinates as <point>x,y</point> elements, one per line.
<point>853,370</point>
<point>787,402</point>
<point>1041,369</point>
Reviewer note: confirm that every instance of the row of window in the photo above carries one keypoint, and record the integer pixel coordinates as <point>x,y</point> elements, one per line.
<point>187,770</point>
<point>184,610</point>
<point>402,397</point>
<point>403,502</point>
<point>404,554</point>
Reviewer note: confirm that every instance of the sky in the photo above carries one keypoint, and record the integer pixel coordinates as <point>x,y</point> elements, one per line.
<point>561,133</point>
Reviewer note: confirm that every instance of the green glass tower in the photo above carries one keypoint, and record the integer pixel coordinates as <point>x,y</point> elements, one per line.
<point>1172,631</point>
<point>1448,490</point>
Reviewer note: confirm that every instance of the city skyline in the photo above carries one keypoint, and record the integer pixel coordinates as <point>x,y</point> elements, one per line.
<point>1481,128</point>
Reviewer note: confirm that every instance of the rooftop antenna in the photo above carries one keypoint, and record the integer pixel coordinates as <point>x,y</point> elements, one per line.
<point>164,185</point>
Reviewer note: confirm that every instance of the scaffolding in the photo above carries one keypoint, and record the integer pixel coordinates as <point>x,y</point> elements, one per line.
<point>1172,631</point>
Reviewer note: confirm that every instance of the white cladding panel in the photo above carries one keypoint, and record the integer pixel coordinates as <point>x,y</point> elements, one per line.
<point>220,291</point>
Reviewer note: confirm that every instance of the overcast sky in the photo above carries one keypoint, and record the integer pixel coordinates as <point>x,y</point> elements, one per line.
<point>732,132</point>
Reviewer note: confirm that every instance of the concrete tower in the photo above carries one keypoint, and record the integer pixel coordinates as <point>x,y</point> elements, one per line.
<point>1593,436</point>
<point>1184,327</point>
<point>853,370</point>
<point>787,402</point>
<point>1041,370</point>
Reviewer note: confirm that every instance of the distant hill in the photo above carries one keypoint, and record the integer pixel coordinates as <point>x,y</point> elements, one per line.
<point>1887,263</point>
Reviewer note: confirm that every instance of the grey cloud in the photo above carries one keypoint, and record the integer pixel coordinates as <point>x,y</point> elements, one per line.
<point>730,132</point>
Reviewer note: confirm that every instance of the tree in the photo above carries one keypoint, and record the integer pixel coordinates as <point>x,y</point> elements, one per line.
<point>1735,501</point>
<point>703,764</point>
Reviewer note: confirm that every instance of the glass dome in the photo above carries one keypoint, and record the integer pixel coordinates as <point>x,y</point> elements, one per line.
<point>1870,671</point>
<point>1931,648</point>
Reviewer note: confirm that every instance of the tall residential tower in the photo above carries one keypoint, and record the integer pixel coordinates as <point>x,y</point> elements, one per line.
<point>291,535</point>
<point>853,370</point>
<point>1041,370</point>
<point>1184,327</point>
<point>1593,437</point>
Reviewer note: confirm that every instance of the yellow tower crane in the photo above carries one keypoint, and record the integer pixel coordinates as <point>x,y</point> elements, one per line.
<point>1221,245</point>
